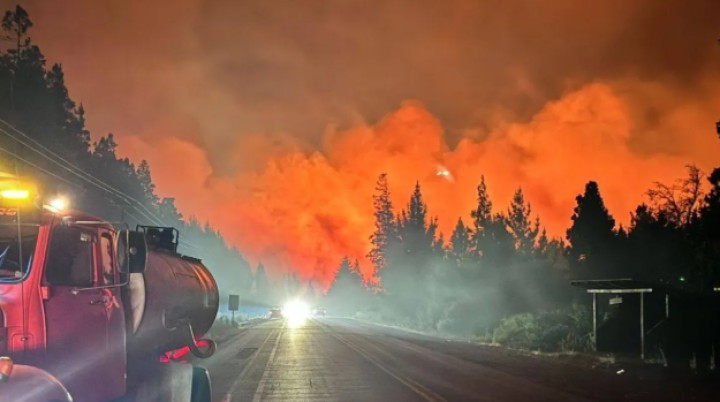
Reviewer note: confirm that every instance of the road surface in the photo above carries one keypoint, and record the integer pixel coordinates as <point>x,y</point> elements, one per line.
<point>346,360</point>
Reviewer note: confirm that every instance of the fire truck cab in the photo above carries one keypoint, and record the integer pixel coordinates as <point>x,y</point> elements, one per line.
<point>82,318</point>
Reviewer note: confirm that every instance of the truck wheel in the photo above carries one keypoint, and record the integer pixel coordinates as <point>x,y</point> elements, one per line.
<point>201,389</point>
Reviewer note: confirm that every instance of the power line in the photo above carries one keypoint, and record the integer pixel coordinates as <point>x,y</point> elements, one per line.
<point>80,173</point>
<point>27,162</point>
<point>18,157</point>
<point>75,173</point>
<point>96,182</point>
<point>75,170</point>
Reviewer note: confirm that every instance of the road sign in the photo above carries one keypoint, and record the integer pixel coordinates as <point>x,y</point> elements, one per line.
<point>234,303</point>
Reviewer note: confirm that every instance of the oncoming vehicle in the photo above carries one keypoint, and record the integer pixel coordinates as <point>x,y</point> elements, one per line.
<point>275,313</point>
<point>91,312</point>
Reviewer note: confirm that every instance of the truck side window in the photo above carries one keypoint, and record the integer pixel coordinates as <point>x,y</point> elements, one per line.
<point>69,260</point>
<point>107,260</point>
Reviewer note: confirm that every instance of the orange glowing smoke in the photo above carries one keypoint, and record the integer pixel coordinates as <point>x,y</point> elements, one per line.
<point>304,211</point>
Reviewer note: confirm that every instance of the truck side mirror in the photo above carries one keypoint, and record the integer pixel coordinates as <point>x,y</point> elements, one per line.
<point>123,251</point>
<point>137,252</point>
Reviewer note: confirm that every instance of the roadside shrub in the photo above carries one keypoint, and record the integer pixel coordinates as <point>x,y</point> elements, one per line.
<point>579,338</point>
<point>467,318</point>
<point>566,330</point>
<point>518,331</point>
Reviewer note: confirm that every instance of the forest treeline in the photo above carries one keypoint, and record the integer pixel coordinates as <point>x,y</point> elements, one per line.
<point>43,136</point>
<point>500,278</point>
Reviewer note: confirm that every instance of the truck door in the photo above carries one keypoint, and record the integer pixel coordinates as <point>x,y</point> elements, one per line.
<point>79,351</point>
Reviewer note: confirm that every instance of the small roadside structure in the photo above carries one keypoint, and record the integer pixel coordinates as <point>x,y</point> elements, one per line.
<point>680,323</point>
<point>614,288</point>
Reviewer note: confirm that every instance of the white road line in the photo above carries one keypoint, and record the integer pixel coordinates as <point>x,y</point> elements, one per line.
<point>413,385</point>
<point>231,391</point>
<point>263,380</point>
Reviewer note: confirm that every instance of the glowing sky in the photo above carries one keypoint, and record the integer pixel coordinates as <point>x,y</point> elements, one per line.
<point>272,119</point>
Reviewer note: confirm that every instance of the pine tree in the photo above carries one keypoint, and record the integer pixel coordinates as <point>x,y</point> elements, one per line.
<point>497,243</point>
<point>417,211</point>
<point>591,235</point>
<point>483,213</point>
<point>520,226</point>
<point>542,243</point>
<point>347,292</point>
<point>416,234</point>
<point>145,179</point>
<point>168,212</point>
<point>708,232</point>
<point>385,231</point>
<point>482,217</point>
<point>16,24</point>
<point>491,243</point>
<point>460,243</point>
<point>356,269</point>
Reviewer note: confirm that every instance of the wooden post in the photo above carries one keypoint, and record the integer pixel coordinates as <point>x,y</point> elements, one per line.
<point>642,326</point>
<point>594,313</point>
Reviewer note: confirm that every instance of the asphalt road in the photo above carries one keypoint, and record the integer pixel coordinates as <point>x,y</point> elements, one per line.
<point>345,360</point>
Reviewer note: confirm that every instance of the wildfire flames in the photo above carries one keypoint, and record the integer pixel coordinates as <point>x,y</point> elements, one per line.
<point>274,129</point>
<point>305,211</point>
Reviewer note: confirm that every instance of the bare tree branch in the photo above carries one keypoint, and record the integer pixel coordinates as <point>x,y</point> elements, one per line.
<point>680,201</point>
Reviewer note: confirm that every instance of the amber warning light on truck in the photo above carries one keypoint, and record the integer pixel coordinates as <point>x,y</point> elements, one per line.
<point>15,194</point>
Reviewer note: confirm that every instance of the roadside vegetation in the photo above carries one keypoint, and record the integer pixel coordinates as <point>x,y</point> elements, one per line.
<point>500,279</point>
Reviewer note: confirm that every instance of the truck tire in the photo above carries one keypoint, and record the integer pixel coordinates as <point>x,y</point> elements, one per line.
<point>201,389</point>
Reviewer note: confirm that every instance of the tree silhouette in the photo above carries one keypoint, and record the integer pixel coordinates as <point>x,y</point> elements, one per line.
<point>460,243</point>
<point>483,213</point>
<point>706,231</point>
<point>681,201</point>
<point>591,234</point>
<point>346,293</point>
<point>542,243</point>
<point>524,232</point>
<point>416,233</point>
<point>16,25</point>
<point>385,232</point>
<point>145,178</point>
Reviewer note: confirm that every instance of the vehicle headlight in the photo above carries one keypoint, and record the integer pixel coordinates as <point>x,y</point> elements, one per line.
<point>296,311</point>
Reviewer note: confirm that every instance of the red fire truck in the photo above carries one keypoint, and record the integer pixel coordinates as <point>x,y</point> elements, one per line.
<point>91,311</point>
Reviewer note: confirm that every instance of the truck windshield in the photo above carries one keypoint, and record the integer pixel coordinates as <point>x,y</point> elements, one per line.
<point>12,268</point>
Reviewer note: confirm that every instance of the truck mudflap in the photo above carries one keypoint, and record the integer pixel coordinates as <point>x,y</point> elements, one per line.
<point>201,388</point>
<point>31,384</point>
